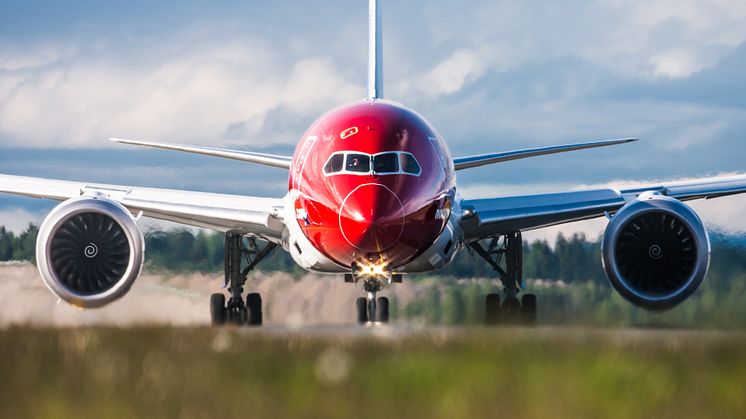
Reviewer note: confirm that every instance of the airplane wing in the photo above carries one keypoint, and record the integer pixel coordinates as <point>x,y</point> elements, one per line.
<point>460,163</point>
<point>484,218</point>
<point>261,217</point>
<point>282,162</point>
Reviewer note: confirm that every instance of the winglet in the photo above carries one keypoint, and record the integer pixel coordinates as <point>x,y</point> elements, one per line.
<point>247,156</point>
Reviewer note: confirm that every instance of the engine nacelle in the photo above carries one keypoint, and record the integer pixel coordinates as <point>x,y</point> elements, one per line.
<point>656,251</point>
<point>89,251</point>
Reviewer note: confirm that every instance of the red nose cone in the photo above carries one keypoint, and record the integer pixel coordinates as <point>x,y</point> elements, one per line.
<point>371,218</point>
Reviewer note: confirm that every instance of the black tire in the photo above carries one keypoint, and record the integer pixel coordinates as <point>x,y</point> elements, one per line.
<point>254,308</point>
<point>511,310</point>
<point>236,315</point>
<point>383,309</point>
<point>529,309</point>
<point>492,309</point>
<point>217,309</point>
<point>372,311</point>
<point>361,304</point>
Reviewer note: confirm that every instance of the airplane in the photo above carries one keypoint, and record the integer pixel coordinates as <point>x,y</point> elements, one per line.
<point>372,195</point>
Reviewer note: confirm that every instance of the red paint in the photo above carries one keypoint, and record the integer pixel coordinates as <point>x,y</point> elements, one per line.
<point>354,217</point>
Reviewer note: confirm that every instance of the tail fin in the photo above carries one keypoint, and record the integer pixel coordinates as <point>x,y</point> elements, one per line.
<point>375,51</point>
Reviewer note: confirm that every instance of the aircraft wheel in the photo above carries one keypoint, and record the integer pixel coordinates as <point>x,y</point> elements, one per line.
<point>372,311</point>
<point>236,313</point>
<point>237,316</point>
<point>528,309</point>
<point>217,309</point>
<point>254,308</point>
<point>492,309</point>
<point>361,304</point>
<point>383,309</point>
<point>511,309</point>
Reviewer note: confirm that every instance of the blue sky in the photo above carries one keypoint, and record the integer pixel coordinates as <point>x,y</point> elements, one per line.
<point>490,75</point>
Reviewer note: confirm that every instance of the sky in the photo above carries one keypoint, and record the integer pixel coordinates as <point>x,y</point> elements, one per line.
<point>489,75</point>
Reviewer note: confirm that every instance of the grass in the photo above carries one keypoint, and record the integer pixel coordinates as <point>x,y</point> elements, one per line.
<point>435,373</point>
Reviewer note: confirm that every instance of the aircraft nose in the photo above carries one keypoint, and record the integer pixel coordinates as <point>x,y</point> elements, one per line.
<point>371,218</point>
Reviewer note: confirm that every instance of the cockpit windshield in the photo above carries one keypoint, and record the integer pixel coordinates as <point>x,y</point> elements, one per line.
<point>386,163</point>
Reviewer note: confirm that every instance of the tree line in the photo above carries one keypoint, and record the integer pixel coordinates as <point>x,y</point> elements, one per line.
<point>569,259</point>
<point>567,277</point>
<point>181,250</point>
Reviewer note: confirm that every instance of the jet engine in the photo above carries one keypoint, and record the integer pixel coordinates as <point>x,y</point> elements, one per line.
<point>89,251</point>
<point>656,251</point>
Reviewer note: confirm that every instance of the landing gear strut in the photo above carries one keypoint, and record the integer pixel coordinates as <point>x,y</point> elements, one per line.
<point>236,311</point>
<point>369,309</point>
<point>509,248</point>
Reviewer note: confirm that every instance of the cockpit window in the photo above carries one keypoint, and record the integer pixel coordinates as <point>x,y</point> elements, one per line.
<point>385,163</point>
<point>409,164</point>
<point>358,163</point>
<point>335,164</point>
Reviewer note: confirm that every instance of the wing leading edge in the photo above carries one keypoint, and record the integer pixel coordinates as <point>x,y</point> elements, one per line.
<point>493,216</point>
<point>273,160</point>
<point>223,212</point>
<point>483,159</point>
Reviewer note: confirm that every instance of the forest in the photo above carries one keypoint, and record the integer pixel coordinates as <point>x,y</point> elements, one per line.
<point>566,275</point>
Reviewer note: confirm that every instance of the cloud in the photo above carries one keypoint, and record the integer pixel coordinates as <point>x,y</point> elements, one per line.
<point>229,73</point>
<point>190,94</point>
<point>676,64</point>
<point>450,75</point>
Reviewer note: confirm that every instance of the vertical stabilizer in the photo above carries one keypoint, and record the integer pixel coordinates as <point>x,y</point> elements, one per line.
<point>375,51</point>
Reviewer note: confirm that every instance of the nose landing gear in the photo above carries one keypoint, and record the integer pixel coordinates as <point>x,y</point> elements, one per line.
<point>371,309</point>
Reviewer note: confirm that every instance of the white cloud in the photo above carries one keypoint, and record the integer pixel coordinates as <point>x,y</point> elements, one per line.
<point>186,96</point>
<point>634,39</point>
<point>43,55</point>
<point>676,64</point>
<point>452,74</point>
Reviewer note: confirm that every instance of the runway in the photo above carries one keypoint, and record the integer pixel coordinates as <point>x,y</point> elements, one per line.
<point>166,298</point>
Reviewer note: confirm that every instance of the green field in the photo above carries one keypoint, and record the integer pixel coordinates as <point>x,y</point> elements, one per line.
<point>382,373</point>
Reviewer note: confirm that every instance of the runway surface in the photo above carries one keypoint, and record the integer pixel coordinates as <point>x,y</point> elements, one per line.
<point>183,300</point>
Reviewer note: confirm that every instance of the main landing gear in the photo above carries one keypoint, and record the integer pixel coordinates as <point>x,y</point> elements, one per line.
<point>236,311</point>
<point>512,310</point>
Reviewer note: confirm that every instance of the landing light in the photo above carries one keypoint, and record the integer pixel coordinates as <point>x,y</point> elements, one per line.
<point>374,270</point>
